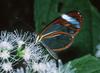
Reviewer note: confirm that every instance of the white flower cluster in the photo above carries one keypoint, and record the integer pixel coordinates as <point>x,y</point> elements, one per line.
<point>48,67</point>
<point>16,48</point>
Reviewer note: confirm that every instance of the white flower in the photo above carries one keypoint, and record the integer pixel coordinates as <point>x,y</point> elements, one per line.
<point>20,43</point>
<point>7,67</point>
<point>4,45</point>
<point>27,54</point>
<point>97,54</point>
<point>35,67</point>
<point>6,41</point>
<point>23,37</point>
<point>4,54</point>
<point>52,67</point>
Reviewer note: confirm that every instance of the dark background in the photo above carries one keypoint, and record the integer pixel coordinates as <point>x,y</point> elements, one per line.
<point>96,3</point>
<point>18,14</point>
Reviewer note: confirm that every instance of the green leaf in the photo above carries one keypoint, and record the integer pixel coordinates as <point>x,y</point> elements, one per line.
<point>47,10</point>
<point>86,64</point>
<point>44,12</point>
<point>95,27</point>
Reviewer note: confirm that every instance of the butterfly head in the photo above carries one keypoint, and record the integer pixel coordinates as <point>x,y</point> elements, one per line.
<point>38,39</point>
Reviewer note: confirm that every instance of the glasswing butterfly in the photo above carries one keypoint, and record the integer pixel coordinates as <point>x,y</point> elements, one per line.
<point>59,34</point>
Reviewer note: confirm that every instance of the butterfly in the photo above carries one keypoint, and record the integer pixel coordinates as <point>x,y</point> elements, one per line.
<point>60,33</point>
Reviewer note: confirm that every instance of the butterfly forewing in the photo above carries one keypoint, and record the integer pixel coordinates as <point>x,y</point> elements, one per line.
<point>70,23</point>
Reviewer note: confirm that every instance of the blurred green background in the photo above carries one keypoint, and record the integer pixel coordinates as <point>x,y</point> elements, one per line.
<point>34,15</point>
